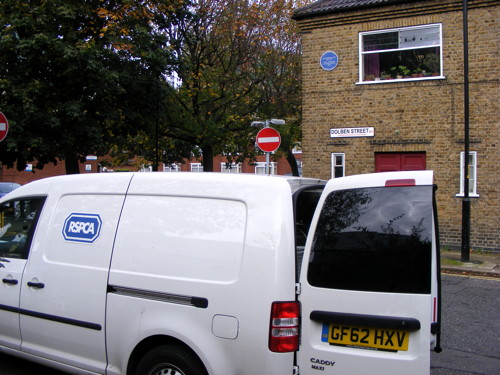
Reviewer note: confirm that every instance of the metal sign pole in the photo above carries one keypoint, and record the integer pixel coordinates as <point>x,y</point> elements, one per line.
<point>268,163</point>
<point>268,154</point>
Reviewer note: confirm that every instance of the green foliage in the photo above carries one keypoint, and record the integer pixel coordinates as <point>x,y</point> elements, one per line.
<point>282,87</point>
<point>236,62</point>
<point>401,70</point>
<point>75,75</point>
<point>158,79</point>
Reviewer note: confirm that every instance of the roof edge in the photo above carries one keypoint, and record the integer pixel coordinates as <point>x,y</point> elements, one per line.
<point>324,12</point>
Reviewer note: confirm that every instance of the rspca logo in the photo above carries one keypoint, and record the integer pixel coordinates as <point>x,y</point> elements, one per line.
<point>82,227</point>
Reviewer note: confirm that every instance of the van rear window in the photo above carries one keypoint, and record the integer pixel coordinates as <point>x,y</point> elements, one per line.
<point>374,239</point>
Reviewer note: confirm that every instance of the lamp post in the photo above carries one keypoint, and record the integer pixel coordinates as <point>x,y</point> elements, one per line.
<point>466,200</point>
<point>266,124</point>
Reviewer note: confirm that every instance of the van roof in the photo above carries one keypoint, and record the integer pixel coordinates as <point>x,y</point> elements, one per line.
<point>117,182</point>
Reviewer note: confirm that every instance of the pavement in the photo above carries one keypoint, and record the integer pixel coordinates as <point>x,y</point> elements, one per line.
<point>479,264</point>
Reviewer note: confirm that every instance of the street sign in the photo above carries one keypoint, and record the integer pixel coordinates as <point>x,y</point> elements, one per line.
<point>4,126</point>
<point>268,139</point>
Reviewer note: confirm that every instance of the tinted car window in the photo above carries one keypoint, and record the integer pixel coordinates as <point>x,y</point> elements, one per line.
<point>374,239</point>
<point>17,221</point>
<point>305,206</point>
<point>305,202</point>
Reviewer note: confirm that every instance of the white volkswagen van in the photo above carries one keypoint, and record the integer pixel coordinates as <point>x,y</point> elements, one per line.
<point>195,274</point>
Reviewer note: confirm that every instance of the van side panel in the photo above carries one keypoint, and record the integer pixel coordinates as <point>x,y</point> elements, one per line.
<point>202,263</point>
<point>62,316</point>
<point>178,239</point>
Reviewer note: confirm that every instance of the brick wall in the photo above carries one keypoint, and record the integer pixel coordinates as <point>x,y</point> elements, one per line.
<point>424,116</point>
<point>282,167</point>
<point>49,170</point>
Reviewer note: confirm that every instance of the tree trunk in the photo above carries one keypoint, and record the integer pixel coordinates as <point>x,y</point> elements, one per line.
<point>293,163</point>
<point>72,165</point>
<point>208,158</point>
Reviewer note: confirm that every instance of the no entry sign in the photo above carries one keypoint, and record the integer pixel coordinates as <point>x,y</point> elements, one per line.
<point>268,139</point>
<point>4,126</point>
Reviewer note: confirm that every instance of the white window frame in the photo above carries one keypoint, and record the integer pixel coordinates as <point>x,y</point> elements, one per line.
<point>235,168</point>
<point>171,167</point>
<point>473,178</point>
<point>196,167</point>
<point>342,164</point>
<point>362,53</point>
<point>260,168</point>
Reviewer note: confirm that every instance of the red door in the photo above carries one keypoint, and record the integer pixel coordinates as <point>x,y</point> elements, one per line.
<point>393,161</point>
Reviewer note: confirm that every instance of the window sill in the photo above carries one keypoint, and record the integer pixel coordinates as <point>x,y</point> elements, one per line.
<point>431,78</point>
<point>460,195</point>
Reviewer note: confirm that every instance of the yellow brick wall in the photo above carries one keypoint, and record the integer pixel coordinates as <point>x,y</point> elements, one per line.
<point>425,116</point>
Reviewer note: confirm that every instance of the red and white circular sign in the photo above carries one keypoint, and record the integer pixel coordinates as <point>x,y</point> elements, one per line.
<point>4,126</point>
<point>268,139</point>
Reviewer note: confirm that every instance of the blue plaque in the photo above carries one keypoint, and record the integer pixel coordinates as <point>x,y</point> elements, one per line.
<point>329,60</point>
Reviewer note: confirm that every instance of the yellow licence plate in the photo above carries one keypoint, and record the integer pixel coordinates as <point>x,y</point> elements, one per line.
<point>374,338</point>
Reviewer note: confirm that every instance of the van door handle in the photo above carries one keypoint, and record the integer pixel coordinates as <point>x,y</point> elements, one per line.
<point>36,285</point>
<point>10,281</point>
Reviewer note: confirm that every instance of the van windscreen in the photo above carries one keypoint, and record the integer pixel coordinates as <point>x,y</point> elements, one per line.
<point>374,239</point>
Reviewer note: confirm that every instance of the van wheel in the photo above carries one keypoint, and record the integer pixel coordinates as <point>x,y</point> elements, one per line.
<point>170,360</point>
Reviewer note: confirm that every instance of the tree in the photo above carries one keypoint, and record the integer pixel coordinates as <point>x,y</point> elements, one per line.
<point>281,89</point>
<point>77,75</point>
<point>215,48</point>
<point>236,61</point>
<point>160,79</point>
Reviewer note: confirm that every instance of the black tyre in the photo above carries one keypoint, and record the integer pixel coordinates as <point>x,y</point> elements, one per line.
<point>170,360</point>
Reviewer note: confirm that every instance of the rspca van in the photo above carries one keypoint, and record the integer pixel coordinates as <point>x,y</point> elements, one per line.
<point>196,274</point>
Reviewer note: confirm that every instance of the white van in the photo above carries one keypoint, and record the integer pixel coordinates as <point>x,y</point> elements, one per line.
<point>191,274</point>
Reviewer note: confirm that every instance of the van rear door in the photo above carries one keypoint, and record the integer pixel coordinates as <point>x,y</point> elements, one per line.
<point>370,277</point>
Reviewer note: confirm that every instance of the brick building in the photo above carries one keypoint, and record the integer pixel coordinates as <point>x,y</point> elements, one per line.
<point>278,166</point>
<point>383,89</point>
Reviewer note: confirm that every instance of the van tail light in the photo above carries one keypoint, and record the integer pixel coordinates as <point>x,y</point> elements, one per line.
<point>405,182</point>
<point>284,327</point>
